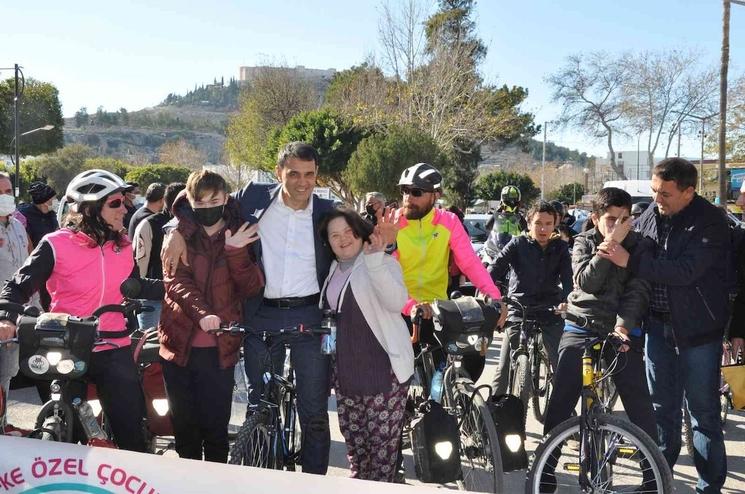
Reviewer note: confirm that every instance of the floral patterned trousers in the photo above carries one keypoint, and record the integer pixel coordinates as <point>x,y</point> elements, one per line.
<point>371,426</point>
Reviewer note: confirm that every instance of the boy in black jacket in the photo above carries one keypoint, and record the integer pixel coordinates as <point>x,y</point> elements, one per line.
<point>540,274</point>
<point>615,301</point>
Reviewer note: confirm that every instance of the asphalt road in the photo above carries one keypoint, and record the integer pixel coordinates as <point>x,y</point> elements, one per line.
<point>24,404</point>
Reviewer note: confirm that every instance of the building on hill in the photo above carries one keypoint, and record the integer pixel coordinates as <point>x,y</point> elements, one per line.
<point>319,77</point>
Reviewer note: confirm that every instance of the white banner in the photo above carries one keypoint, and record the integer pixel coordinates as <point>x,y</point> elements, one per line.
<point>30,466</point>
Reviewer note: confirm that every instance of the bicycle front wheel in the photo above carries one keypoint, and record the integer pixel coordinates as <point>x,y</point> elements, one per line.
<point>480,456</point>
<point>55,422</point>
<point>291,433</point>
<point>687,431</point>
<point>614,456</point>
<point>521,382</point>
<point>254,443</point>
<point>542,383</point>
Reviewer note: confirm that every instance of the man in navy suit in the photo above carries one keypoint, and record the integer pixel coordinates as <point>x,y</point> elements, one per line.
<point>295,263</point>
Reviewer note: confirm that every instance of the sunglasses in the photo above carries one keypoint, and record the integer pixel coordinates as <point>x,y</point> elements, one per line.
<point>409,191</point>
<point>116,203</point>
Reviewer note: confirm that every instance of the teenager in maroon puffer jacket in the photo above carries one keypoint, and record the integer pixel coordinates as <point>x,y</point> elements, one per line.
<point>198,364</point>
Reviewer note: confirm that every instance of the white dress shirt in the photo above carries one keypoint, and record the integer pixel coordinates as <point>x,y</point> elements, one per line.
<point>288,250</point>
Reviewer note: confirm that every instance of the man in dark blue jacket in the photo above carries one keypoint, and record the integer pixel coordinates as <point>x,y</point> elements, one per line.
<point>540,272</point>
<point>689,308</point>
<point>295,264</point>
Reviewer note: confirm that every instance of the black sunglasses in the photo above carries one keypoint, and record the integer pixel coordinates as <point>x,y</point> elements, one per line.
<point>409,191</point>
<point>116,203</point>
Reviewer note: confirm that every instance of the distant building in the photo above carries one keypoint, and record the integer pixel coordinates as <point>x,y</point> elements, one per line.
<point>635,165</point>
<point>319,77</point>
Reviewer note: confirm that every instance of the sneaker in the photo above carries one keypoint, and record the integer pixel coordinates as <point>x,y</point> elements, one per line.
<point>11,430</point>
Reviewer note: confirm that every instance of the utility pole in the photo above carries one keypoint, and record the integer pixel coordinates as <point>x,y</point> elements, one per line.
<point>701,172</point>
<point>638,138</point>
<point>680,125</point>
<point>543,162</point>
<point>723,99</point>
<point>16,96</point>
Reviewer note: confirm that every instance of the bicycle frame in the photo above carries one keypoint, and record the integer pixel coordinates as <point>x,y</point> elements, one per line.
<point>591,403</point>
<point>281,412</point>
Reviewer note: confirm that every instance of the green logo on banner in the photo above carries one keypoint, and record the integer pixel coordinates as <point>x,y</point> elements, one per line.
<point>67,487</point>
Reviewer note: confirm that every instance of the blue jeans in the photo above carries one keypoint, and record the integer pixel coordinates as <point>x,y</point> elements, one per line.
<point>695,373</point>
<point>147,320</point>
<point>311,377</point>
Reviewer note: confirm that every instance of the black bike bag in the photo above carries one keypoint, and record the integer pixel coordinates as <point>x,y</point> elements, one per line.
<point>54,345</point>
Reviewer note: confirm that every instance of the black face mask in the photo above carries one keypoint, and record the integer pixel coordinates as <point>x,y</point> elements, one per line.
<point>208,216</point>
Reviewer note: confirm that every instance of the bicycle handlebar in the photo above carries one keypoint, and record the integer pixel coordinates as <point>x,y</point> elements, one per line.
<point>243,329</point>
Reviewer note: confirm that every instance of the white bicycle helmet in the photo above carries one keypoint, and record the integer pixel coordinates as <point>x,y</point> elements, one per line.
<point>94,185</point>
<point>423,176</point>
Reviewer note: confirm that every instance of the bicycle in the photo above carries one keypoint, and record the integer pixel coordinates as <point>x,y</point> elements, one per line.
<point>58,347</point>
<point>461,328</point>
<point>531,374</point>
<point>270,437</point>
<point>614,455</point>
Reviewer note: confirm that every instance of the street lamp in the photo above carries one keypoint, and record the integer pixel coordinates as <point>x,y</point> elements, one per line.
<point>543,158</point>
<point>16,140</point>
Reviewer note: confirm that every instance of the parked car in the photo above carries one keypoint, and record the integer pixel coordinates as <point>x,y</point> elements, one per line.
<point>476,227</point>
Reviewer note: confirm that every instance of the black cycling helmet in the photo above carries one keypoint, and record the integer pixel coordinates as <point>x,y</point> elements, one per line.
<point>638,208</point>
<point>422,176</point>
<point>510,196</point>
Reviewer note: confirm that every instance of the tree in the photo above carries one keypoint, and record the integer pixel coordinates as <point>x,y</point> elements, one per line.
<point>589,88</point>
<point>148,174</point>
<point>378,161</point>
<point>518,126</point>
<point>402,37</point>
<point>460,175</point>
<point>436,85</point>
<point>81,117</point>
<point>489,187</point>
<point>363,94</point>
<point>180,152</point>
<point>123,116</point>
<point>662,88</point>
<point>273,96</point>
<point>39,105</point>
<point>59,167</point>
<point>452,26</point>
<point>735,123</point>
<point>568,193</point>
<point>115,166</point>
<point>248,135</point>
<point>334,138</point>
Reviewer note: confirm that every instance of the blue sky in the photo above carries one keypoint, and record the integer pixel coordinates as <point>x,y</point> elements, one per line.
<point>133,53</point>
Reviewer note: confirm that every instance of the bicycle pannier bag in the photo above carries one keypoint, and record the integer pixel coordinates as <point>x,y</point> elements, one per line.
<point>435,442</point>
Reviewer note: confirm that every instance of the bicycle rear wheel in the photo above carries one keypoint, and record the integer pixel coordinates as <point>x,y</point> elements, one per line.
<point>254,444</point>
<point>480,456</point>
<point>619,457</point>
<point>542,383</point>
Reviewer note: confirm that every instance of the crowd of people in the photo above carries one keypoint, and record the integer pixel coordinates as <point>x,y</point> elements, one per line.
<point>275,256</point>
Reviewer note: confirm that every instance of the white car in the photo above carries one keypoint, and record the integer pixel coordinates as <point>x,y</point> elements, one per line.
<point>476,228</point>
